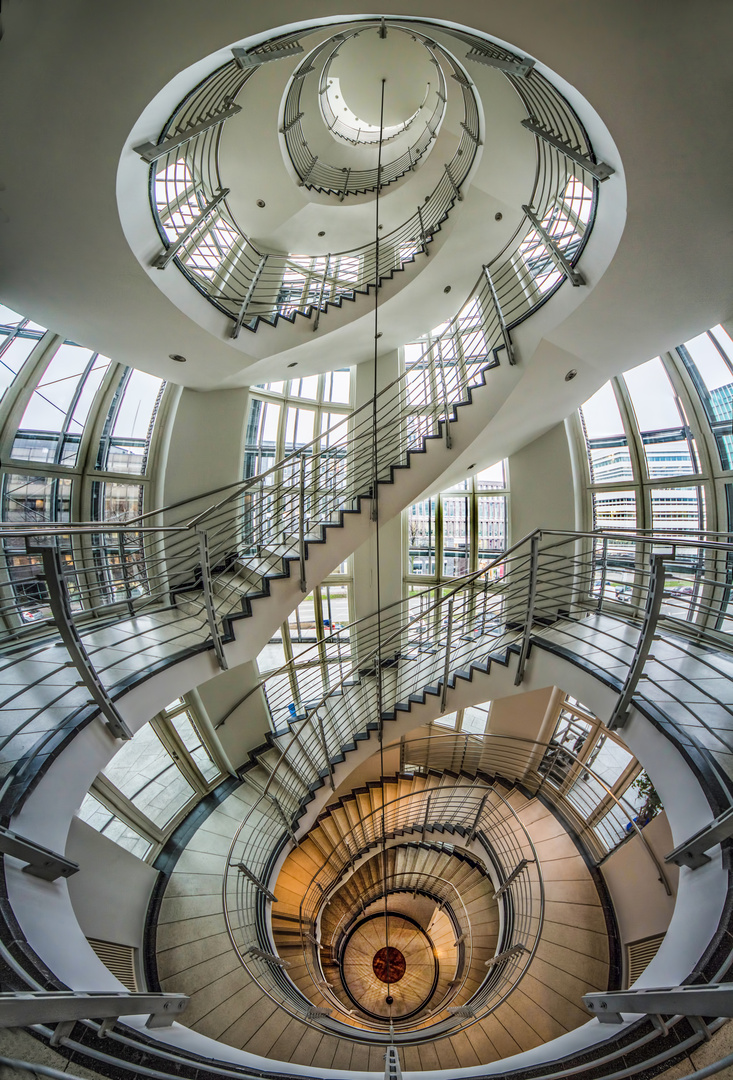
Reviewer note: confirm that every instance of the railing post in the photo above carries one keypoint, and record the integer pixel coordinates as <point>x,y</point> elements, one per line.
<point>170,253</point>
<point>301,524</point>
<point>446,664</point>
<point>248,296</point>
<point>533,566</point>
<point>322,734</point>
<point>245,870</point>
<point>500,315</point>
<point>323,290</point>
<point>60,604</point>
<point>479,812</point>
<point>604,563</point>
<point>150,151</point>
<point>427,817</point>
<point>654,599</point>
<point>206,585</point>
<point>452,182</point>
<point>561,261</point>
<point>598,169</point>
<point>423,235</point>
<point>125,572</point>
<point>446,421</point>
<point>346,184</point>
<point>283,817</point>
<point>306,176</point>
<point>291,123</point>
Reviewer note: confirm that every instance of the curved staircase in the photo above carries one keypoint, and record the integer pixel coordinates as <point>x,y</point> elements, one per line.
<point>194,956</point>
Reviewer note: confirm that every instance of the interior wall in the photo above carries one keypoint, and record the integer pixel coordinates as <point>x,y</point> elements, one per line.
<point>541,483</point>
<point>206,448</point>
<point>110,893</point>
<point>642,906</point>
<point>243,724</point>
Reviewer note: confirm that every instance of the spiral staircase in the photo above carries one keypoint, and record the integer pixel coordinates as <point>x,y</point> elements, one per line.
<point>274,899</point>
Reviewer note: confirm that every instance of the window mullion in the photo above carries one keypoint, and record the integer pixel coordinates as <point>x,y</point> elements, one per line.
<point>177,749</point>
<point>122,807</point>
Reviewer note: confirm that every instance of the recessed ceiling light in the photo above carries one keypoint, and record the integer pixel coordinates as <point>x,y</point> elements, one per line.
<point>379,334</point>
<point>261,203</point>
<point>447,288</point>
<point>571,375</point>
<point>498,216</point>
<point>322,233</point>
<point>294,364</point>
<point>472,466</point>
<point>177,357</point>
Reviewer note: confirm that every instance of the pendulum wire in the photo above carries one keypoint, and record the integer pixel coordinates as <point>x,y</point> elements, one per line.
<point>375,515</point>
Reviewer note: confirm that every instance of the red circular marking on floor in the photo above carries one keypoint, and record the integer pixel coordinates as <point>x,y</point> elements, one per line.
<point>389,965</point>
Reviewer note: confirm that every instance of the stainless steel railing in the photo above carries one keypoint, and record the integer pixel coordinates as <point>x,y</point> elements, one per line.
<point>600,819</point>
<point>589,588</point>
<point>317,173</point>
<point>478,811</point>
<point>250,284</point>
<point>551,595</point>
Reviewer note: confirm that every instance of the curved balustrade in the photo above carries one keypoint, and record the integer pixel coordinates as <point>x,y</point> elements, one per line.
<point>251,285</point>
<point>342,128</point>
<point>587,587</point>
<point>478,813</point>
<point>549,770</point>
<point>318,175</point>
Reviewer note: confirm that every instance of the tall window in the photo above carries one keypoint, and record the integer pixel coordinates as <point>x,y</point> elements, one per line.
<point>658,449</point>
<point>152,781</point>
<point>460,530</point>
<point>79,452</point>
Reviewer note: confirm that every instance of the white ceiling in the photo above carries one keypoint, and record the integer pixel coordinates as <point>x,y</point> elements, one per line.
<point>76,76</point>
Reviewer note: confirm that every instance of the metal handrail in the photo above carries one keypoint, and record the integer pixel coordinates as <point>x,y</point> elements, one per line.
<point>524,274</point>
<point>320,175</point>
<point>488,822</point>
<point>341,128</point>
<point>431,885</point>
<point>539,778</point>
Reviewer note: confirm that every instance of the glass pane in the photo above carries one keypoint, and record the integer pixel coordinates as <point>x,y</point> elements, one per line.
<point>299,428</point>
<point>711,355</point>
<point>455,536</point>
<point>53,421</point>
<point>492,518</point>
<point>614,510</point>
<point>271,658</point>
<point>449,720</point>
<point>14,351</point>
<point>129,426</point>
<point>337,386</point>
<point>193,742</point>
<point>652,396</point>
<point>116,502</point>
<point>421,538</point>
<point>708,360</point>
<point>104,821</point>
<point>608,452</point>
<point>302,621</point>
<point>305,388</point>
<point>491,478</point>
<point>666,437</point>
<point>29,500</point>
<point>475,720</point>
<point>145,773</point>
<point>261,437</point>
<point>678,508</point>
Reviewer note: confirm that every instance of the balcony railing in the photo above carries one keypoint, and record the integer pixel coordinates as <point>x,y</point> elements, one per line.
<point>316,173</point>
<point>480,814</point>
<point>250,284</point>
